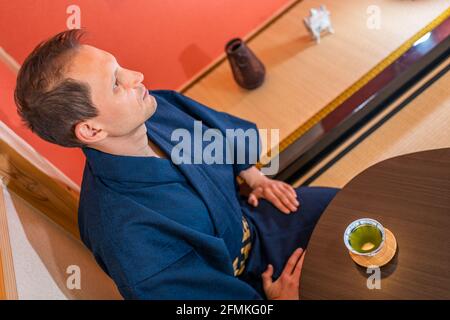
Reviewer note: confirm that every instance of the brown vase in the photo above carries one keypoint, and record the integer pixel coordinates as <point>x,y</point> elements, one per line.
<point>248,70</point>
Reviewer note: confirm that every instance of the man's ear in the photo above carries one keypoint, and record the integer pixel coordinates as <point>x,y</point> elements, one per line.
<point>88,132</point>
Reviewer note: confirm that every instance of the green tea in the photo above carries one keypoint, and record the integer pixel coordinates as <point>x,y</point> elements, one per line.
<point>365,238</point>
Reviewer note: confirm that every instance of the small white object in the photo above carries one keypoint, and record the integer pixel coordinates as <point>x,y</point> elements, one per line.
<point>318,21</point>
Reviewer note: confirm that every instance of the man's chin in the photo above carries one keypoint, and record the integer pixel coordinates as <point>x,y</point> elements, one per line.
<point>152,107</point>
<point>154,102</point>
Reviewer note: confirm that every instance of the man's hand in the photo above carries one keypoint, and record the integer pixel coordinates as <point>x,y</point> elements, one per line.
<point>280,194</point>
<point>286,287</point>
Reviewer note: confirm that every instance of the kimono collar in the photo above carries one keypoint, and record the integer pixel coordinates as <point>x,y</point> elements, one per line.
<point>131,168</point>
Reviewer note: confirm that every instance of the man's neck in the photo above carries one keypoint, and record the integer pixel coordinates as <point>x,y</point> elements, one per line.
<point>134,144</point>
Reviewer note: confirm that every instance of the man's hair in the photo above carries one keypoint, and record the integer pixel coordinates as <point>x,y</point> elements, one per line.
<point>49,103</point>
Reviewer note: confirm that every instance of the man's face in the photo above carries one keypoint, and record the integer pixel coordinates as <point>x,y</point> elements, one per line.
<point>117,93</point>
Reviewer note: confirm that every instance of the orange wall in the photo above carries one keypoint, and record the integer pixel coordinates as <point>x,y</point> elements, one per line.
<point>168,40</point>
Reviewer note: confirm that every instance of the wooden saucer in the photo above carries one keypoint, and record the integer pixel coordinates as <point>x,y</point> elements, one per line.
<point>381,258</point>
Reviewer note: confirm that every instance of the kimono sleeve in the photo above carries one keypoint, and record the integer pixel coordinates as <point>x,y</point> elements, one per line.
<point>190,278</point>
<point>250,146</point>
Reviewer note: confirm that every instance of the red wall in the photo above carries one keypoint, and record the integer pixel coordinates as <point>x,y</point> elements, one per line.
<point>168,40</point>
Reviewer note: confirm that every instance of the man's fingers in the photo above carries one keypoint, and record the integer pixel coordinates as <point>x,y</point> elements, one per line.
<point>292,262</point>
<point>290,189</point>
<point>276,202</point>
<point>286,199</point>
<point>253,200</point>
<point>281,195</point>
<point>298,268</point>
<point>267,276</point>
<point>254,196</point>
<point>291,194</point>
<point>258,192</point>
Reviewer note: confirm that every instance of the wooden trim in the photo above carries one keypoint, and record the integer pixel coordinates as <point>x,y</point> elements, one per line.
<point>55,199</point>
<point>8,288</point>
<point>2,282</point>
<point>9,60</point>
<point>2,246</point>
<point>216,62</point>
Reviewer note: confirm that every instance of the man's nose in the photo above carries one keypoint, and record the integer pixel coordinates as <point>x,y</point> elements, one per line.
<point>134,79</point>
<point>139,77</point>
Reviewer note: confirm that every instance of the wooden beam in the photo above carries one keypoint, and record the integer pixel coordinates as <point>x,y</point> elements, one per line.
<point>9,60</point>
<point>52,197</point>
<point>8,288</point>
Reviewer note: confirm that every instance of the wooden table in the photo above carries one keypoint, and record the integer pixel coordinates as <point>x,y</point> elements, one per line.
<point>410,195</point>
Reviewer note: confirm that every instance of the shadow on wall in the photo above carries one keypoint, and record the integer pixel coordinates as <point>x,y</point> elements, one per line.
<point>193,59</point>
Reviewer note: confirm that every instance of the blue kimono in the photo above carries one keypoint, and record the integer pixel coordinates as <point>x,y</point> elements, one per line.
<point>166,231</point>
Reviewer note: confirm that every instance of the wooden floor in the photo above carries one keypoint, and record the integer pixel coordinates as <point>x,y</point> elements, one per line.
<point>423,124</point>
<point>302,78</point>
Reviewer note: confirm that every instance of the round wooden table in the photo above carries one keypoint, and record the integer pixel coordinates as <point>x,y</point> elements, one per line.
<point>410,195</point>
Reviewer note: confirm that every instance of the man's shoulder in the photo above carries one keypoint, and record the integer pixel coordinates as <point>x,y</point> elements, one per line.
<point>95,193</point>
<point>96,200</point>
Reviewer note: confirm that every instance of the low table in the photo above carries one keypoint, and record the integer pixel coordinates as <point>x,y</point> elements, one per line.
<point>409,195</point>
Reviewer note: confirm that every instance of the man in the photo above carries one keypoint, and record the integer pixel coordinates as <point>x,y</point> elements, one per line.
<point>163,230</point>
